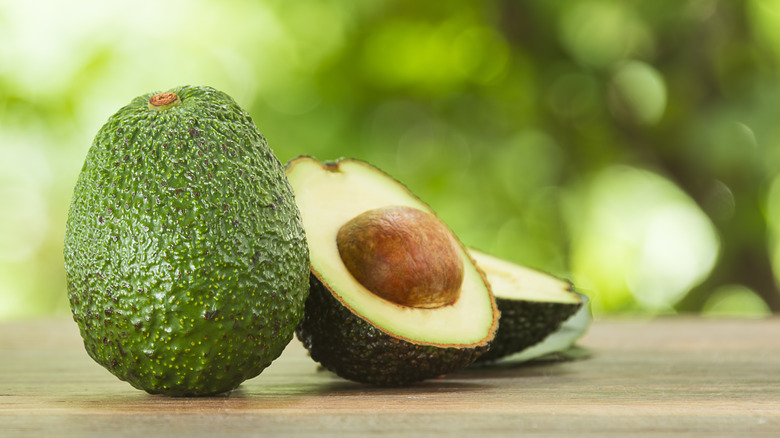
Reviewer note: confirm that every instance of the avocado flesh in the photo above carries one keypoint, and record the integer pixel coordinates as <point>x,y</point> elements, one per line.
<point>533,304</point>
<point>186,261</point>
<point>331,194</point>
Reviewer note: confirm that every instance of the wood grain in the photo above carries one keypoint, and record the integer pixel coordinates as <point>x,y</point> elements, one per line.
<point>662,377</point>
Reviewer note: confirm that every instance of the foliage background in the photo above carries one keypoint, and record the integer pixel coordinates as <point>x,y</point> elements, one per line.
<point>630,146</point>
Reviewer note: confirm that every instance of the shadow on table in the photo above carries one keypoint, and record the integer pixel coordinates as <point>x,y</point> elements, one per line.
<point>323,389</point>
<point>324,393</point>
<point>548,365</point>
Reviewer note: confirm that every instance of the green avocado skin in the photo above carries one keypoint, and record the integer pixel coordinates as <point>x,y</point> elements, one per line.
<point>185,255</point>
<point>524,324</point>
<point>355,349</point>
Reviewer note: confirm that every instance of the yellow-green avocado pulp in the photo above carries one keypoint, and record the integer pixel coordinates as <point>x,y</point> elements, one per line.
<point>185,256</point>
<point>352,331</point>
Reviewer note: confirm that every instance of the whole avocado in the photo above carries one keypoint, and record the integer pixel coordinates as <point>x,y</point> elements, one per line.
<point>186,261</point>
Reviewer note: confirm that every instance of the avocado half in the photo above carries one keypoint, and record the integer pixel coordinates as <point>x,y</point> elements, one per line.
<point>351,330</point>
<point>533,304</point>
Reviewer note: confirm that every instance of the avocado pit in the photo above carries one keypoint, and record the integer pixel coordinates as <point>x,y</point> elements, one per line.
<point>404,255</point>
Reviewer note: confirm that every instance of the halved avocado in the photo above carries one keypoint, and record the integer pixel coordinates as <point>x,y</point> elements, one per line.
<point>533,304</point>
<point>357,332</point>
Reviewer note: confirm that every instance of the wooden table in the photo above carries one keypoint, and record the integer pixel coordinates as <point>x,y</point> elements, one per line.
<point>662,377</point>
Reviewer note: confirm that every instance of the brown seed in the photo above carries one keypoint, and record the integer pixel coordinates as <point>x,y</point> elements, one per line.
<point>403,255</point>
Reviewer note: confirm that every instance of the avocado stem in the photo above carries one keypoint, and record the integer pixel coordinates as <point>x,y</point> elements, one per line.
<point>164,101</point>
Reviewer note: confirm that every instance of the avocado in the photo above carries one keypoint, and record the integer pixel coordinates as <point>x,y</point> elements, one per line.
<point>186,260</point>
<point>559,345</point>
<point>533,304</point>
<point>394,296</point>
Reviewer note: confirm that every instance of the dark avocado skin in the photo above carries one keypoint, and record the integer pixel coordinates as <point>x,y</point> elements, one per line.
<point>524,324</point>
<point>355,349</point>
<point>185,256</point>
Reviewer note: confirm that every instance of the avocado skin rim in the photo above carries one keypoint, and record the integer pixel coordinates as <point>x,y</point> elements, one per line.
<point>355,349</point>
<point>524,324</point>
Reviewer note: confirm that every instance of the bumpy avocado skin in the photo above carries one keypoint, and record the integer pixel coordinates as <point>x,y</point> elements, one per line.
<point>524,324</point>
<point>185,256</point>
<point>355,349</point>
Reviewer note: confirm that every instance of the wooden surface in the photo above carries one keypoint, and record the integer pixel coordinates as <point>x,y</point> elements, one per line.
<point>643,378</point>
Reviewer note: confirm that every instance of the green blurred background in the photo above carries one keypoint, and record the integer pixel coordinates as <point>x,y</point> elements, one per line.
<point>630,146</point>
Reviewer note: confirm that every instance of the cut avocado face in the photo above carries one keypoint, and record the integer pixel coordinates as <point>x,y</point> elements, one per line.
<point>185,256</point>
<point>356,332</point>
<point>533,304</point>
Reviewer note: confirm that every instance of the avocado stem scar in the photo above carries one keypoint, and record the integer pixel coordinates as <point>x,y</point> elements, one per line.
<point>163,101</point>
<point>332,166</point>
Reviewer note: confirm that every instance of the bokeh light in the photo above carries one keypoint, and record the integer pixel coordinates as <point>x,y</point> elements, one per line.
<point>637,223</point>
<point>732,301</point>
<point>639,92</point>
